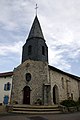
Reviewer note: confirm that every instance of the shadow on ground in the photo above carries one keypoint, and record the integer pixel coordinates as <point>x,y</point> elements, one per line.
<point>37,118</point>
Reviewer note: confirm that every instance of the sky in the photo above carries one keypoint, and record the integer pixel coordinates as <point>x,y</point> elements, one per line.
<point>60,23</point>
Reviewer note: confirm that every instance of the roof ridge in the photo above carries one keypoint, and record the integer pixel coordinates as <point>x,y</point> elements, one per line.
<point>6,74</point>
<point>69,74</point>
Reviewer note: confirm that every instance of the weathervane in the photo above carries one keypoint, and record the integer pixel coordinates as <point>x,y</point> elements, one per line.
<point>36,9</point>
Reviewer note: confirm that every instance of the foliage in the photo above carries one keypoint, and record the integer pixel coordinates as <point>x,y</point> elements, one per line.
<point>68,103</point>
<point>78,102</point>
<point>15,102</point>
<point>38,102</point>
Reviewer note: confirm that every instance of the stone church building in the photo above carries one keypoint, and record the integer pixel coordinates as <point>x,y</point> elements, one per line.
<point>34,80</point>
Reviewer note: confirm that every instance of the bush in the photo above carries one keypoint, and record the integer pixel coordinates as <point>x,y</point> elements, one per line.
<point>78,102</point>
<point>38,102</point>
<point>68,103</point>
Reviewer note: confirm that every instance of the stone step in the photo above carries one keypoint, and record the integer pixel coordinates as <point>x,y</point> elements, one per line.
<point>35,107</point>
<point>28,109</point>
<point>34,113</point>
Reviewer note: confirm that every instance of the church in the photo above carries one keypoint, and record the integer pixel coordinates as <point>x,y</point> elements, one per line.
<point>34,81</point>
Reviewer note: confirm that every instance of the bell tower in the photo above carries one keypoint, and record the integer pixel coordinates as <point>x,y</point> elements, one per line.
<point>35,47</point>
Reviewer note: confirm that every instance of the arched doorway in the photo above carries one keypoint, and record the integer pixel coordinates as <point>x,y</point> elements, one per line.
<point>55,94</point>
<point>26,95</point>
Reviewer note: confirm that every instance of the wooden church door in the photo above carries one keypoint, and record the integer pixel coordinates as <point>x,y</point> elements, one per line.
<point>26,95</point>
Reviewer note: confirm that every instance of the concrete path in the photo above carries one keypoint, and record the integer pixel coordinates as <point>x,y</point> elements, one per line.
<point>72,116</point>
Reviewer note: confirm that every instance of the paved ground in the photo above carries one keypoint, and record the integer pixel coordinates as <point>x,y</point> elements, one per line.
<point>72,116</point>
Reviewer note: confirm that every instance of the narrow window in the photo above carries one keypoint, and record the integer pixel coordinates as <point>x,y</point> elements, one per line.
<point>4,86</point>
<point>43,50</point>
<point>29,50</point>
<point>62,80</point>
<point>8,86</point>
<point>71,96</point>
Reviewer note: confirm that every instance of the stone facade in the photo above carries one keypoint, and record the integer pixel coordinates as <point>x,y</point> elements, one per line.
<point>67,89</point>
<point>79,88</point>
<point>43,81</point>
<point>39,77</point>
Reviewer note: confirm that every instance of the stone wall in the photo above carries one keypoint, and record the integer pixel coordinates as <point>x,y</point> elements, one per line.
<point>43,79</point>
<point>39,76</point>
<point>67,89</point>
<point>79,88</point>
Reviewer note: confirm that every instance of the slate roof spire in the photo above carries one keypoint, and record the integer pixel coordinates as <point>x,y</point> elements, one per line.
<point>35,47</point>
<point>36,30</point>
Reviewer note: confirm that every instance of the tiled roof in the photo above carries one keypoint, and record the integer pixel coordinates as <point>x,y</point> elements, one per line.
<point>65,73</point>
<point>6,74</point>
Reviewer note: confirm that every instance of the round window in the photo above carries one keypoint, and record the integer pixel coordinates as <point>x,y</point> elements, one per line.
<point>28,76</point>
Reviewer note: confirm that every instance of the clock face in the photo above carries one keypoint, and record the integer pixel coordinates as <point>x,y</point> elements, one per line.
<point>28,77</point>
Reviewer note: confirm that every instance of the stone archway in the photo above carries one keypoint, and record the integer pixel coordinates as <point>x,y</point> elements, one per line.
<point>55,94</point>
<point>26,95</point>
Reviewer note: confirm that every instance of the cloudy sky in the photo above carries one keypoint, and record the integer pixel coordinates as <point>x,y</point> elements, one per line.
<point>60,23</point>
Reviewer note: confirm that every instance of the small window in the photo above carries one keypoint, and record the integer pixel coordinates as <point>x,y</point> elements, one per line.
<point>29,50</point>
<point>62,80</point>
<point>71,96</point>
<point>7,86</point>
<point>43,50</point>
<point>28,77</point>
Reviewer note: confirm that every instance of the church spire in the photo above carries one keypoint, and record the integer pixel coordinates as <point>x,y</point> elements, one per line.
<point>36,30</point>
<point>35,47</point>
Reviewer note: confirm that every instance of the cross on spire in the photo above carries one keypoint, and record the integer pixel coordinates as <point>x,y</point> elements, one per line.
<point>36,9</point>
